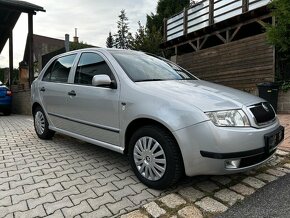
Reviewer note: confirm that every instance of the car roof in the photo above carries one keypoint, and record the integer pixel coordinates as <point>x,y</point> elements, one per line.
<point>98,49</point>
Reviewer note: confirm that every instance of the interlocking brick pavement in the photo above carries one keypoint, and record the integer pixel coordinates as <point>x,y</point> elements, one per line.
<point>62,177</point>
<point>65,177</point>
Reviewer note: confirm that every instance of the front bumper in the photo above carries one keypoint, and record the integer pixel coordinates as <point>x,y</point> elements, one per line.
<point>210,150</point>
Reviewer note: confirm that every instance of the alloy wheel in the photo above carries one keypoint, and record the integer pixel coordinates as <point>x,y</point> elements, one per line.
<point>39,122</point>
<point>149,158</point>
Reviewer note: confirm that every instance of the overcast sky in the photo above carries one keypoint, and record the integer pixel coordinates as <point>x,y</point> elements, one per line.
<point>93,18</point>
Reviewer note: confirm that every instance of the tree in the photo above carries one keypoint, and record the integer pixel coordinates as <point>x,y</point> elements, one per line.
<point>147,41</point>
<point>123,37</point>
<point>140,37</point>
<point>154,25</point>
<point>279,34</point>
<point>149,37</point>
<point>79,45</point>
<point>165,9</point>
<point>110,41</point>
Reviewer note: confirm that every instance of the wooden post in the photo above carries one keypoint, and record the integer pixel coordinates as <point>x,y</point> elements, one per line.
<point>30,48</point>
<point>165,29</point>
<point>10,58</point>
<point>274,50</point>
<point>211,12</point>
<point>184,21</point>
<point>245,6</point>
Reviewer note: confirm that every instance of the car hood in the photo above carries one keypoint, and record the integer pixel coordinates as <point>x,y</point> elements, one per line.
<point>204,95</point>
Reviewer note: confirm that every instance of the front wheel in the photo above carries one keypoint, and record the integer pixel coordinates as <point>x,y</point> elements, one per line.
<point>155,157</point>
<point>41,124</point>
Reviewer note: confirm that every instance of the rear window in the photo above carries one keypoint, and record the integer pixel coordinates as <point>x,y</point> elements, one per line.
<point>59,70</point>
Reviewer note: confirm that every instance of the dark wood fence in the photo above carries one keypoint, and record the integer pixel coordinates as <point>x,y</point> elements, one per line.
<point>240,64</point>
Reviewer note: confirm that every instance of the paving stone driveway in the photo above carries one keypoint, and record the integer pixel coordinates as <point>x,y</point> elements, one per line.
<point>65,177</point>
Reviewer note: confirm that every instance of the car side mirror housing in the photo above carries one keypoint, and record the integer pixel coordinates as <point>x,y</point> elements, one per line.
<point>103,81</point>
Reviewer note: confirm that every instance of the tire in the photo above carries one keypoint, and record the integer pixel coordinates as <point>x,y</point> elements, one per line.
<point>7,112</point>
<point>41,124</point>
<point>166,167</point>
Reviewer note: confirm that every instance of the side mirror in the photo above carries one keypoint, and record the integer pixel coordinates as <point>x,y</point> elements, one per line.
<point>102,80</point>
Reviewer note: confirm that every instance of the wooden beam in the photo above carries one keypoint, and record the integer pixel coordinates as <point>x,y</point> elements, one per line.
<point>10,58</point>
<point>184,21</point>
<point>165,29</point>
<point>228,35</point>
<point>203,42</point>
<point>192,45</point>
<point>235,32</point>
<point>221,37</point>
<point>211,12</point>
<point>245,5</point>
<point>262,23</point>
<point>30,48</point>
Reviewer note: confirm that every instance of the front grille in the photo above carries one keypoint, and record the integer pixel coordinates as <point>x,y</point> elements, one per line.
<point>263,112</point>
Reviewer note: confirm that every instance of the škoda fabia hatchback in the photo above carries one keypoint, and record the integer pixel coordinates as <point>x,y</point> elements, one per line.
<point>165,119</point>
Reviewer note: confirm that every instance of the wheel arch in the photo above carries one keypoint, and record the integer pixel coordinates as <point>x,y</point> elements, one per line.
<point>34,106</point>
<point>138,123</point>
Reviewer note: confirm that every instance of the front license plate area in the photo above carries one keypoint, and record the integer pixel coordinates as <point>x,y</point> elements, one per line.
<point>273,139</point>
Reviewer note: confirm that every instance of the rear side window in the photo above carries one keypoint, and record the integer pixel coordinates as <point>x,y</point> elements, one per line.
<point>59,70</point>
<point>91,64</point>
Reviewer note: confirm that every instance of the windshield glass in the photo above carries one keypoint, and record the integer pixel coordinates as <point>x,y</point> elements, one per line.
<point>141,67</point>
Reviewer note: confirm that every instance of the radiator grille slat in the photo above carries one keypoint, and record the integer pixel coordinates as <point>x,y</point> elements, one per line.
<point>263,112</point>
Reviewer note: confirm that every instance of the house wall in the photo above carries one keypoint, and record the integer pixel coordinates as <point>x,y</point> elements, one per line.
<point>284,102</point>
<point>240,64</point>
<point>21,103</point>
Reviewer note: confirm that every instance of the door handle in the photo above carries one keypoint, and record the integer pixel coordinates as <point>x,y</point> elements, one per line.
<point>42,89</point>
<point>72,93</point>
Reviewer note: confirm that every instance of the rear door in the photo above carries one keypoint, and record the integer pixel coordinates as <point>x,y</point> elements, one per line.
<point>54,89</point>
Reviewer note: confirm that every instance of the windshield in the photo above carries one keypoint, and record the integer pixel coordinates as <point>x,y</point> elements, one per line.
<point>141,67</point>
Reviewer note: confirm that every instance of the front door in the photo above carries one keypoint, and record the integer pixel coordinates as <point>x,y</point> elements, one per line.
<point>94,111</point>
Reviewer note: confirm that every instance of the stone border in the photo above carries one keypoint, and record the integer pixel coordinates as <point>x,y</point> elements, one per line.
<point>208,196</point>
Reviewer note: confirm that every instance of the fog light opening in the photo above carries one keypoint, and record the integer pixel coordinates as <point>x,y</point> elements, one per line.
<point>232,164</point>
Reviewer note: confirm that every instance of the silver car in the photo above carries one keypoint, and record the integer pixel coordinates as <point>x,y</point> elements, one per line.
<point>165,119</point>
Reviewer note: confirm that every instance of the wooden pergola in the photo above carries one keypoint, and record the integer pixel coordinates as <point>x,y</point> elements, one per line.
<point>10,11</point>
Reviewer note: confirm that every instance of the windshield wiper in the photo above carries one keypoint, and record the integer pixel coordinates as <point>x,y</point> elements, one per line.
<point>147,80</point>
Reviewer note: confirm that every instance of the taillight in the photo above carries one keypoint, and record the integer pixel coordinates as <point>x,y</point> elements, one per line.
<point>8,93</point>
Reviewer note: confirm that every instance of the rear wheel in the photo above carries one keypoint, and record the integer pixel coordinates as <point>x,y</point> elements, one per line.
<point>155,157</point>
<point>41,124</point>
<point>7,112</point>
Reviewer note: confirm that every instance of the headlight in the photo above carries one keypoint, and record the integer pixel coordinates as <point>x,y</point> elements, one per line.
<point>235,118</point>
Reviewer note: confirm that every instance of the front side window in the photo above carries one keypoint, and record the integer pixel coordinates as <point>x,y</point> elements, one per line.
<point>59,70</point>
<point>91,64</point>
<point>141,67</point>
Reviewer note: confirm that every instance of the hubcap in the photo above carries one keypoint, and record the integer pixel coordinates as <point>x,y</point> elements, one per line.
<point>39,122</point>
<point>149,158</point>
